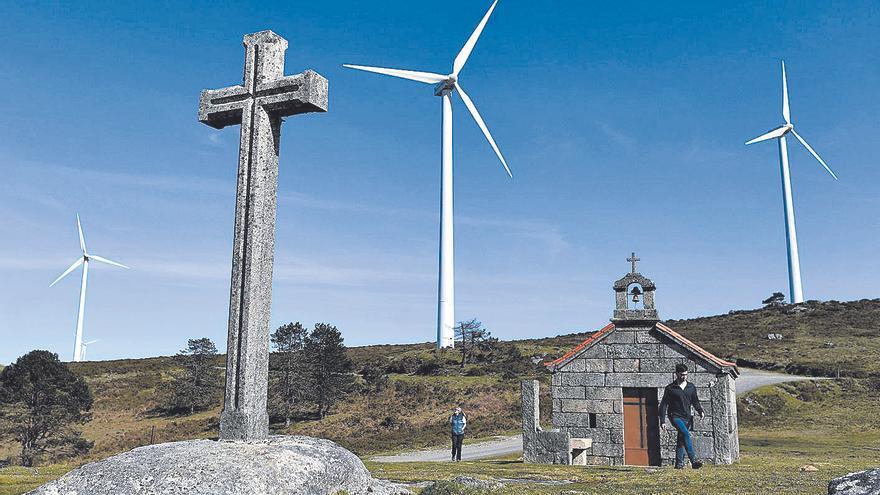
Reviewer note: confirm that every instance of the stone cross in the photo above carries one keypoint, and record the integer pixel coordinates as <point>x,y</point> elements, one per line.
<point>258,105</point>
<point>633,260</point>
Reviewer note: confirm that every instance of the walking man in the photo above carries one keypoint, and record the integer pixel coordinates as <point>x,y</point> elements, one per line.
<point>678,399</point>
<point>459,422</point>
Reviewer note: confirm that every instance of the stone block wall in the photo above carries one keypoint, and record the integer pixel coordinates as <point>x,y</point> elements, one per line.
<point>587,395</point>
<point>541,447</point>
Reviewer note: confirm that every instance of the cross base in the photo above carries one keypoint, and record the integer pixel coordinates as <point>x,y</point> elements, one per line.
<point>241,426</point>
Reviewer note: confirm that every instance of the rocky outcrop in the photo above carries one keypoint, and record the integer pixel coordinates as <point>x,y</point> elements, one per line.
<point>860,483</point>
<point>282,465</point>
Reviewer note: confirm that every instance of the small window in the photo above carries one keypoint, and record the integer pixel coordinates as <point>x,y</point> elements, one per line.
<point>592,420</point>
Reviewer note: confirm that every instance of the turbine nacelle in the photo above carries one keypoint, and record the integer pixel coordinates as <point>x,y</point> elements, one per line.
<point>773,134</point>
<point>445,87</point>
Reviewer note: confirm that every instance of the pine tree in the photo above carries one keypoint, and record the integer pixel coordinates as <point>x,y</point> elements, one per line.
<point>197,388</point>
<point>41,401</point>
<point>288,388</point>
<point>330,369</point>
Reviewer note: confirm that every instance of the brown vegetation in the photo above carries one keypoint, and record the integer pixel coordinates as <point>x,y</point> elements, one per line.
<point>411,409</point>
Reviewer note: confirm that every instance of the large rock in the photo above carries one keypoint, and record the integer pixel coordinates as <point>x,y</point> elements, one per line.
<point>860,483</point>
<point>281,465</point>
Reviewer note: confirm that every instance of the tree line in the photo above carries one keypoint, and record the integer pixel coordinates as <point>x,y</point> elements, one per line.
<point>43,403</point>
<point>308,373</point>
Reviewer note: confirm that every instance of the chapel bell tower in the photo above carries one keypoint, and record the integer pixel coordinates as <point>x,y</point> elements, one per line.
<point>634,297</point>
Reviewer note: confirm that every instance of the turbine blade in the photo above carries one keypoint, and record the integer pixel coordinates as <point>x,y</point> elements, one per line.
<point>811,150</point>
<point>72,268</point>
<point>91,342</point>
<point>775,133</point>
<point>425,77</point>
<point>468,47</point>
<point>105,260</point>
<point>786,113</point>
<point>473,109</point>
<point>82,239</point>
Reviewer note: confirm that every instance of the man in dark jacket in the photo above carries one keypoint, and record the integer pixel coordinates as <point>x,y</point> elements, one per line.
<point>678,398</point>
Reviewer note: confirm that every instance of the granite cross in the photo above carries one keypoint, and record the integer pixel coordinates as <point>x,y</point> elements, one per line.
<point>258,105</point>
<point>634,260</point>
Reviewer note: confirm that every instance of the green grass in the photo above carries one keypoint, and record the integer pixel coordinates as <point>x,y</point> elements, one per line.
<point>829,424</point>
<point>756,473</point>
<point>16,480</point>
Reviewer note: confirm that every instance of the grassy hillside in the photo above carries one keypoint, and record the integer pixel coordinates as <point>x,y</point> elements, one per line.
<point>827,424</point>
<point>423,385</point>
<point>819,338</point>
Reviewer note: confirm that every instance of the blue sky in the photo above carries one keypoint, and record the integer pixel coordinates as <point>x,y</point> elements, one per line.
<point>623,124</point>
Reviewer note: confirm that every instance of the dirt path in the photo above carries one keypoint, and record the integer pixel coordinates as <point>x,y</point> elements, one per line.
<point>748,380</point>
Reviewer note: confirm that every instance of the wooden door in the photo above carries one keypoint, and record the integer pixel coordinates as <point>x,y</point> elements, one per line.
<point>641,427</point>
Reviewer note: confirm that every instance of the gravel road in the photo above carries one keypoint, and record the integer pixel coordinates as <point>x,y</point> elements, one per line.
<point>748,380</point>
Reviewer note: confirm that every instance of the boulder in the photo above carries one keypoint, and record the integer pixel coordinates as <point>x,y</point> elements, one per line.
<point>860,483</point>
<point>281,465</point>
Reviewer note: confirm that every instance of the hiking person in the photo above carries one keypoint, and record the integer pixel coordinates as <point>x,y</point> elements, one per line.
<point>459,422</point>
<point>678,399</point>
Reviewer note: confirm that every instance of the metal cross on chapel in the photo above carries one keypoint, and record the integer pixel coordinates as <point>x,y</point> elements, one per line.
<point>258,105</point>
<point>633,260</point>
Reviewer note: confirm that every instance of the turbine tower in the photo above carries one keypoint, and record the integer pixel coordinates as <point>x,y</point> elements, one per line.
<point>444,87</point>
<point>796,289</point>
<point>78,346</point>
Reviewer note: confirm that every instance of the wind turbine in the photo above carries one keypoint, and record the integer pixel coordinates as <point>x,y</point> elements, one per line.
<point>83,260</point>
<point>444,87</point>
<point>85,347</point>
<point>796,290</point>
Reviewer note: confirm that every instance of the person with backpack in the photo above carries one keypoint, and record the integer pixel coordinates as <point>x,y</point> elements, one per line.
<point>458,421</point>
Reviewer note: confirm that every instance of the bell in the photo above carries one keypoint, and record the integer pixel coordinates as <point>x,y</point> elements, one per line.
<point>635,292</point>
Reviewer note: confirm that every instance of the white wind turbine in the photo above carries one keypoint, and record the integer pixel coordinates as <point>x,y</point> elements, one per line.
<point>83,260</point>
<point>85,347</point>
<point>796,290</point>
<point>445,86</point>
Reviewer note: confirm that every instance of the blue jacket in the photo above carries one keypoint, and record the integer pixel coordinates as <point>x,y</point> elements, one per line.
<point>459,422</point>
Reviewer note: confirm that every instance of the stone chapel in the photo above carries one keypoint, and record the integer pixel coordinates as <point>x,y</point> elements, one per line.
<point>606,392</point>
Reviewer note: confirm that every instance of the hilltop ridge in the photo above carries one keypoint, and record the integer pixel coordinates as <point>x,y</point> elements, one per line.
<point>818,338</point>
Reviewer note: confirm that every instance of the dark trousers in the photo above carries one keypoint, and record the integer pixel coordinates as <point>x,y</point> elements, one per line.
<point>683,443</point>
<point>456,446</point>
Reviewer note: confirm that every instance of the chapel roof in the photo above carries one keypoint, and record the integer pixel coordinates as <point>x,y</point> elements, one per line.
<point>690,347</point>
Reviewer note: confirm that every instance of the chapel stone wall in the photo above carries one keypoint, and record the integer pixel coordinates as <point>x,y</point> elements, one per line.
<point>587,395</point>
